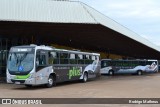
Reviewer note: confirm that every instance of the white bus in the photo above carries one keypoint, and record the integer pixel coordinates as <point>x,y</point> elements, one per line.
<point>35,65</point>
<point>138,67</point>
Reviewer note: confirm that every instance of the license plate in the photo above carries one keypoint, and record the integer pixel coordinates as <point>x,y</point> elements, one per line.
<point>17,83</point>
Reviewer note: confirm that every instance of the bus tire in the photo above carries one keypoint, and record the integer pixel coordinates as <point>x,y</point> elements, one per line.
<point>28,86</point>
<point>111,73</point>
<point>51,82</point>
<point>85,77</point>
<point>139,72</point>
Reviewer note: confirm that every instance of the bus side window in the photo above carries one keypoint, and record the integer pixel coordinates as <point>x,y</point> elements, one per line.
<point>90,59</point>
<point>64,58</point>
<point>40,59</point>
<point>80,59</point>
<point>87,59</point>
<point>72,59</point>
<point>105,64</point>
<point>142,63</point>
<point>109,63</point>
<point>135,63</point>
<point>114,63</point>
<point>93,58</point>
<point>53,58</point>
<point>43,59</point>
<point>37,59</point>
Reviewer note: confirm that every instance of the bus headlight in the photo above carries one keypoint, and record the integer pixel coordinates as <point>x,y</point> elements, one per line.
<point>31,76</point>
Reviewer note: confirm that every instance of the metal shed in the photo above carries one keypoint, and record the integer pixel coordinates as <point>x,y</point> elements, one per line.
<point>73,24</point>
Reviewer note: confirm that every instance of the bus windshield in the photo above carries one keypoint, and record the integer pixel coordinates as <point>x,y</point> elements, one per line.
<point>20,61</point>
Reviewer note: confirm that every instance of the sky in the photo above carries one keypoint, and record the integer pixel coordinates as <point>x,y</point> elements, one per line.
<point>140,16</point>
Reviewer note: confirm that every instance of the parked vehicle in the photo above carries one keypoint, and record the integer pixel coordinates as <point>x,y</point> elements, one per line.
<point>36,65</point>
<point>138,67</point>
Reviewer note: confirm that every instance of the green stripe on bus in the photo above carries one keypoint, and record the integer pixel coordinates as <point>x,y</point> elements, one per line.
<point>22,76</point>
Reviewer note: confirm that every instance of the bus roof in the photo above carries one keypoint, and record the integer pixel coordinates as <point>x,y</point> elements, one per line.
<point>129,60</point>
<point>52,48</point>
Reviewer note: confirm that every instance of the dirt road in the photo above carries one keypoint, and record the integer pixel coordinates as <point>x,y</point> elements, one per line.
<point>120,86</point>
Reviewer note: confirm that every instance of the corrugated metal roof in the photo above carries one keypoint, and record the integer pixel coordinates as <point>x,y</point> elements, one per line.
<point>62,12</point>
<point>44,11</point>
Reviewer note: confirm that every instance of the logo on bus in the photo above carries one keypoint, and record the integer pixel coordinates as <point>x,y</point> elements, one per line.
<point>20,68</point>
<point>74,72</point>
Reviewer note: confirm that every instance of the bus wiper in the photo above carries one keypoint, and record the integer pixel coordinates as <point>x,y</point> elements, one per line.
<point>17,58</point>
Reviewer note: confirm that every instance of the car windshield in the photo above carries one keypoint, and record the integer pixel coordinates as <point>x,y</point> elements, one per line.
<point>20,61</point>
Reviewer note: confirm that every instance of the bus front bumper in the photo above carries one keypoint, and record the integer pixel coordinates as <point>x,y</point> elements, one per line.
<point>28,81</point>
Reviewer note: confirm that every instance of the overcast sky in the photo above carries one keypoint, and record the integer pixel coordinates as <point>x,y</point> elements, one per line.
<point>140,16</point>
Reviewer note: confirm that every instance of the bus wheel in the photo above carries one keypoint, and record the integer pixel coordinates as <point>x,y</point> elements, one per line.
<point>111,73</point>
<point>50,82</point>
<point>139,72</point>
<point>85,77</point>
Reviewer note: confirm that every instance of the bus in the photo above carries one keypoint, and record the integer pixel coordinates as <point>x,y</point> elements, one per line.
<point>138,67</point>
<point>36,65</point>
